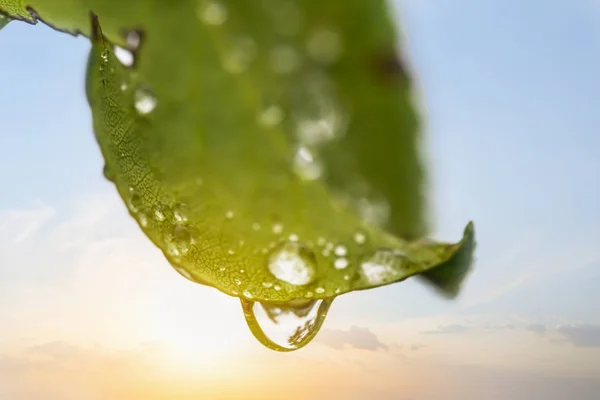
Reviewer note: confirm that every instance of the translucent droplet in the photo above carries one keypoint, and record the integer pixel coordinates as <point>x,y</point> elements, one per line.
<point>338,291</point>
<point>133,40</point>
<point>124,86</point>
<point>125,57</point>
<point>277,287</point>
<point>293,237</point>
<point>247,294</point>
<point>320,290</point>
<point>292,262</point>
<point>340,263</point>
<point>384,266</point>
<point>222,269</point>
<point>340,250</point>
<point>237,282</point>
<point>306,166</point>
<point>271,116</point>
<point>285,326</point>
<point>284,59</point>
<point>360,238</point>
<point>212,12</point>
<point>142,219</point>
<point>240,56</point>
<point>178,241</point>
<point>180,213</point>
<point>277,229</point>
<point>160,212</point>
<point>229,214</point>
<point>231,252</point>
<point>145,101</point>
<point>324,45</point>
<point>374,211</point>
<point>267,284</point>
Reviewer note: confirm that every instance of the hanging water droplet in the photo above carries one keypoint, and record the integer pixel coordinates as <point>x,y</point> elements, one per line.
<point>292,262</point>
<point>324,45</point>
<point>212,12</point>
<point>288,326</point>
<point>125,56</point>
<point>145,101</point>
<point>271,116</point>
<point>360,238</point>
<point>340,263</point>
<point>306,166</point>
<point>384,266</point>
<point>240,56</point>
<point>284,59</point>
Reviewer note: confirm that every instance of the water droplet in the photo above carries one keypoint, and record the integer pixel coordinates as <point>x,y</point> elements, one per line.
<point>338,291</point>
<point>340,251</point>
<point>375,212</point>
<point>125,56</point>
<point>271,116</point>
<point>256,226</point>
<point>133,40</point>
<point>384,266</point>
<point>267,284</point>
<point>142,219</point>
<point>240,56</point>
<point>292,262</point>
<point>340,263</point>
<point>178,241</point>
<point>145,101</point>
<point>320,290</point>
<point>324,45</point>
<point>231,252</point>
<point>212,12</point>
<point>104,55</point>
<point>229,214</point>
<point>360,238</point>
<point>308,295</point>
<point>285,326</point>
<point>306,166</point>
<point>222,269</point>
<point>160,212</point>
<point>346,277</point>
<point>293,237</point>
<point>277,287</point>
<point>237,282</point>
<point>247,294</point>
<point>284,59</point>
<point>185,274</point>
<point>277,229</point>
<point>180,213</point>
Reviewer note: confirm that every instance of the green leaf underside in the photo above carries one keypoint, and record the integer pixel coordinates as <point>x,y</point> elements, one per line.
<point>211,173</point>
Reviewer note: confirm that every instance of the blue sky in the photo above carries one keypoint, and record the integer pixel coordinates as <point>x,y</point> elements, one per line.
<point>509,90</point>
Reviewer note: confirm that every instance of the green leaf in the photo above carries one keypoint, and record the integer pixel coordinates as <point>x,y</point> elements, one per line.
<point>3,21</point>
<point>269,148</point>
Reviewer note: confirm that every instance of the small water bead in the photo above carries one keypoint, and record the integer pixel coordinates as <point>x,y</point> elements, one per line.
<point>340,251</point>
<point>222,269</point>
<point>277,229</point>
<point>237,282</point>
<point>145,101</point>
<point>346,277</point>
<point>247,294</point>
<point>306,166</point>
<point>320,290</point>
<point>338,291</point>
<point>133,40</point>
<point>284,59</point>
<point>242,271</point>
<point>267,284</point>
<point>271,116</point>
<point>324,45</point>
<point>178,241</point>
<point>185,274</point>
<point>142,219</point>
<point>180,213</point>
<point>104,55</point>
<point>340,263</point>
<point>384,266</point>
<point>135,201</point>
<point>292,262</point>
<point>160,212</point>
<point>229,214</point>
<point>293,237</point>
<point>212,12</point>
<point>231,252</point>
<point>308,295</point>
<point>124,86</point>
<point>125,56</point>
<point>360,238</point>
<point>277,287</point>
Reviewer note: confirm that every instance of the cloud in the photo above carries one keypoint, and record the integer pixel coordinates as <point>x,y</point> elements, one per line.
<point>537,328</point>
<point>356,337</point>
<point>585,335</point>
<point>447,329</point>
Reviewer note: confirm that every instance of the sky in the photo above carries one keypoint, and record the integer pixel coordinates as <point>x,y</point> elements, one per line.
<point>509,90</point>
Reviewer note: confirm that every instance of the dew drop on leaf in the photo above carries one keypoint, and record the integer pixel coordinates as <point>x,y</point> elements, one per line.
<point>292,262</point>
<point>145,101</point>
<point>125,56</point>
<point>385,265</point>
<point>306,166</point>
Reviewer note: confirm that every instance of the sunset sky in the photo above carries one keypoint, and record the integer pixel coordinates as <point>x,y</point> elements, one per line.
<point>90,310</point>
